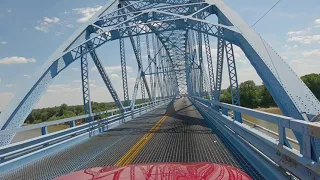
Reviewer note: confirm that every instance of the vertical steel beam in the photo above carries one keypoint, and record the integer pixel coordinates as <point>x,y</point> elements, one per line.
<point>143,93</point>
<point>106,80</point>
<point>220,54</point>
<point>159,75</point>
<point>85,88</point>
<point>199,38</point>
<point>135,89</point>
<point>164,77</point>
<point>124,73</point>
<point>210,67</point>
<point>154,43</point>
<point>150,68</point>
<point>234,87</point>
<point>139,61</point>
<point>188,64</point>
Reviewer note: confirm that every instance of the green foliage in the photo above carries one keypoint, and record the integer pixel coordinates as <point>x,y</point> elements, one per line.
<point>249,94</point>
<point>266,98</point>
<point>253,96</point>
<point>65,111</point>
<point>313,82</point>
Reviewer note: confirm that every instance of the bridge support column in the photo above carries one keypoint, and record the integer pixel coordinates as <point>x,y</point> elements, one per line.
<point>85,89</point>
<point>233,77</point>
<point>220,56</point>
<point>124,73</point>
<point>210,68</point>
<point>44,130</point>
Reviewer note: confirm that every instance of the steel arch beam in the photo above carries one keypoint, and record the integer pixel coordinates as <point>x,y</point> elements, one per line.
<point>289,92</point>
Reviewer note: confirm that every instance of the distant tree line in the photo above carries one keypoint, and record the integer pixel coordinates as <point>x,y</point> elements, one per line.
<point>253,96</point>
<point>64,111</point>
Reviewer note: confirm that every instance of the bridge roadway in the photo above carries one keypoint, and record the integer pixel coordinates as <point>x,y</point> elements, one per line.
<point>168,134</point>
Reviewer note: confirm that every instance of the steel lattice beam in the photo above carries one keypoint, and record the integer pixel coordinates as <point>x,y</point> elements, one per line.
<point>234,87</point>
<point>124,73</point>
<point>150,68</point>
<point>220,55</point>
<point>233,77</point>
<point>137,53</point>
<point>106,80</point>
<point>85,88</point>
<point>135,89</point>
<point>210,66</point>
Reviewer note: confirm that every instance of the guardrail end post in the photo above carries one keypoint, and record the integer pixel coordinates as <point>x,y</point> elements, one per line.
<point>224,111</point>
<point>72,123</point>
<point>237,116</point>
<point>44,130</point>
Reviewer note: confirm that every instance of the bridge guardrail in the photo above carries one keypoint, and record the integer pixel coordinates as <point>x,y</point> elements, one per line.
<point>18,150</point>
<point>296,162</point>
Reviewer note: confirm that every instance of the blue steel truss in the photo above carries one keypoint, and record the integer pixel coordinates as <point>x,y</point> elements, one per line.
<point>175,63</point>
<point>124,73</point>
<point>234,86</point>
<point>210,67</point>
<point>220,57</point>
<point>85,88</point>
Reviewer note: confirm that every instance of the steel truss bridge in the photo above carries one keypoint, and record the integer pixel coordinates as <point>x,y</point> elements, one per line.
<point>163,129</point>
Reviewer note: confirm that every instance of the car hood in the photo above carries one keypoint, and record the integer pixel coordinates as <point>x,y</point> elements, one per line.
<point>160,171</point>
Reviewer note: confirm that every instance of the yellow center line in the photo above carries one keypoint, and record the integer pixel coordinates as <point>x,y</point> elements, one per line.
<point>137,148</point>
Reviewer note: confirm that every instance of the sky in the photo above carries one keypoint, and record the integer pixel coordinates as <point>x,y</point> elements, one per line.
<point>32,30</point>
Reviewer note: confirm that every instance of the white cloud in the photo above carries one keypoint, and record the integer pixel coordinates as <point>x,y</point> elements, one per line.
<point>3,42</point>
<point>86,13</point>
<point>305,39</point>
<point>69,25</point>
<point>305,36</point>
<point>293,33</point>
<point>76,81</point>
<point>46,23</point>
<point>51,20</point>
<point>27,76</point>
<point>5,99</point>
<point>305,66</point>
<point>289,47</point>
<point>10,85</point>
<point>111,69</point>
<point>62,88</point>
<point>17,60</point>
<point>59,33</point>
<point>9,10</point>
<point>114,76</point>
<point>313,53</point>
<point>284,57</point>
<point>75,69</point>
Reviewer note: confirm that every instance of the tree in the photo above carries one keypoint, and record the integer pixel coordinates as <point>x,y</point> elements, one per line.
<point>249,96</point>
<point>266,98</point>
<point>62,109</point>
<point>226,96</point>
<point>313,83</point>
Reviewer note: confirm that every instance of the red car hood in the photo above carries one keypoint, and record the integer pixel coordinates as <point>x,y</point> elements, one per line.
<point>160,171</point>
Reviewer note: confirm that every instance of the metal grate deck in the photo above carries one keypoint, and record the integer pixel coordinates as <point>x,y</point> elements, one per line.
<point>183,137</point>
